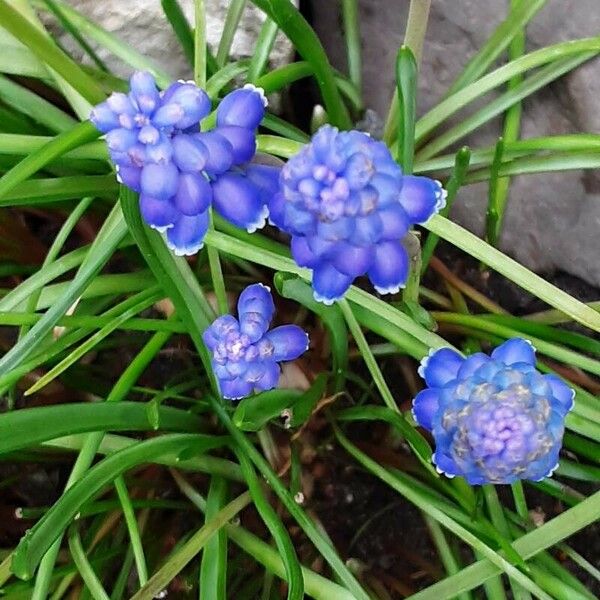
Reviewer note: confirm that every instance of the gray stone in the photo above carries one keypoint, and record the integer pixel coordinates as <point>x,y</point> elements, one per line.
<point>552,220</point>
<point>143,25</point>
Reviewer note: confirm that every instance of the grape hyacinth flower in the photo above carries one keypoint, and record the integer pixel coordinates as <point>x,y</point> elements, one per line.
<point>155,142</point>
<point>494,419</point>
<point>245,354</point>
<point>347,206</point>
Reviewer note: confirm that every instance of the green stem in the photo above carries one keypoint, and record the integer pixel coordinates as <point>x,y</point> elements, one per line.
<point>216,272</point>
<point>416,26</point>
<point>200,44</point>
<point>353,48</point>
<point>368,357</point>
<point>84,567</point>
<point>132,528</point>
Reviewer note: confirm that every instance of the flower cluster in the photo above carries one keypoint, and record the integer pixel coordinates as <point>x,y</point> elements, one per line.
<point>155,142</point>
<point>347,206</point>
<point>495,419</point>
<point>245,354</point>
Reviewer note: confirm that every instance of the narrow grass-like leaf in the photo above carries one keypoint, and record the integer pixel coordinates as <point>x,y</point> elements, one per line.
<point>132,528</point>
<point>85,569</point>
<point>505,101</point>
<point>31,426</point>
<point>80,134</point>
<point>461,168</point>
<point>34,106</point>
<point>112,43</point>
<point>487,83</point>
<point>138,304</point>
<point>492,216</point>
<point>320,542</point>
<point>263,47</point>
<point>497,43</point>
<point>213,568</point>
<point>108,238</point>
<point>191,548</point>
<point>353,43</point>
<point>232,20</point>
<point>38,539</point>
<point>173,273</point>
<point>49,53</point>
<point>316,586</point>
<point>414,497</point>
<point>545,536</point>
<point>406,85</point>
<point>262,256</point>
<point>45,191</point>
<point>514,271</point>
<point>306,42</point>
<point>277,529</point>
<point>181,27</point>
<point>74,31</point>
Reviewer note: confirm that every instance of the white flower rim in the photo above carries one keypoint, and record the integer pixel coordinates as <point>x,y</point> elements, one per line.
<point>259,91</point>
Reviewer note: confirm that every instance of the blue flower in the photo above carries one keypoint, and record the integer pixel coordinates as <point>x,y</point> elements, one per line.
<point>347,206</point>
<point>494,419</point>
<point>245,354</point>
<point>155,142</point>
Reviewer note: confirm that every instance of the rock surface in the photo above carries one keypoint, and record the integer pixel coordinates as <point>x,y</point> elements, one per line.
<point>143,25</point>
<point>553,220</point>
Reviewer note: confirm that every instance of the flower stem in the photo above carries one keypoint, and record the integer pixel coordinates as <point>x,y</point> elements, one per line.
<point>416,26</point>
<point>214,263</point>
<point>199,43</point>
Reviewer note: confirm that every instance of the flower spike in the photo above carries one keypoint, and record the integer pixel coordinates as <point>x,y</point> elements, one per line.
<point>155,142</point>
<point>245,353</point>
<point>347,206</point>
<point>494,419</point>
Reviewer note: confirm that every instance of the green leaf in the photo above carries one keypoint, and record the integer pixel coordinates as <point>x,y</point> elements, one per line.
<point>497,43</point>
<point>254,412</point>
<point>514,271</point>
<point>460,99</point>
<point>113,44</point>
<point>34,106</point>
<point>381,413</point>
<point>49,53</point>
<point>108,238</point>
<point>277,529</point>
<point>181,27</point>
<point>213,568</point>
<point>406,82</point>
<point>131,307</point>
<point>44,191</point>
<point>415,497</point>
<point>545,536</point>
<point>62,143</point>
<point>38,539</point>
<point>31,426</point>
<point>308,45</point>
<point>182,556</point>
<point>317,538</point>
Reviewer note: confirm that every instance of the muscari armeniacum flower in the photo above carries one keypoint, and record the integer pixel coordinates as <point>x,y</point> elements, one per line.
<point>245,353</point>
<point>347,206</point>
<point>494,419</point>
<point>155,142</point>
